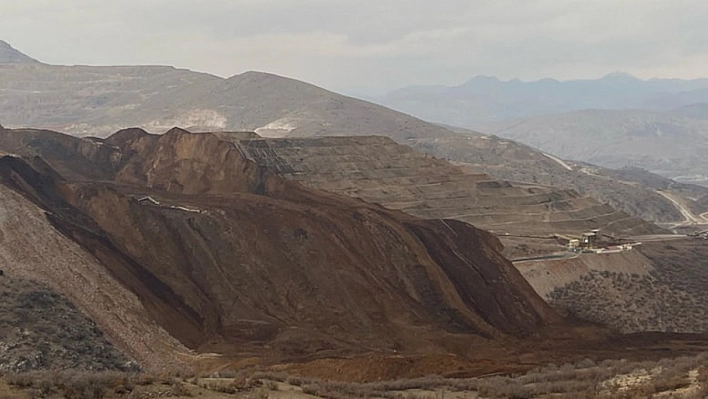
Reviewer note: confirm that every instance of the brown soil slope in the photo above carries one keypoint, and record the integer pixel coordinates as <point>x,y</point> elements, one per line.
<point>227,257</point>
<point>31,248</point>
<point>379,170</point>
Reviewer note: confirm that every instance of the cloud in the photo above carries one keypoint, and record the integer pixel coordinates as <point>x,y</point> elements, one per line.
<point>370,44</point>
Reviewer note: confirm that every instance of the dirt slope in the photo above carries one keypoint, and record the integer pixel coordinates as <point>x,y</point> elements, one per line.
<point>228,258</point>
<point>31,248</point>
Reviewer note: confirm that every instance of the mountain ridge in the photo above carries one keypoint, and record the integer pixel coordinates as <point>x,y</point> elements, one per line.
<point>10,55</point>
<point>486,99</point>
<point>97,101</point>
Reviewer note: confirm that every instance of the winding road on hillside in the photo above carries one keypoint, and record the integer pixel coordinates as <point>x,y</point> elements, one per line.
<point>558,161</point>
<point>564,255</point>
<point>690,218</point>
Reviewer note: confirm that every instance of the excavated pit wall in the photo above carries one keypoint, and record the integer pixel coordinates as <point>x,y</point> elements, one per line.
<point>379,170</point>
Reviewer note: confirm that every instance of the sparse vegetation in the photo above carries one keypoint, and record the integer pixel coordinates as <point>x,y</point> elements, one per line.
<point>671,298</point>
<point>585,379</point>
<point>72,384</point>
<point>41,329</point>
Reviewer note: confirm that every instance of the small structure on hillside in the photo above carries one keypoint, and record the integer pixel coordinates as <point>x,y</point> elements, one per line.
<point>588,240</point>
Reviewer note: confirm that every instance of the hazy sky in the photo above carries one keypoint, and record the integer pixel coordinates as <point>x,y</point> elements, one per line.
<point>370,45</point>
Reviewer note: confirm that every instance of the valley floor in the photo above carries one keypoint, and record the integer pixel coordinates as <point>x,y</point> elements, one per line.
<point>685,377</point>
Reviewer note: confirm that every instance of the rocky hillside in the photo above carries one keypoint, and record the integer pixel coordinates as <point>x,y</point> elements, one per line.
<point>42,330</point>
<point>9,55</point>
<point>229,258</point>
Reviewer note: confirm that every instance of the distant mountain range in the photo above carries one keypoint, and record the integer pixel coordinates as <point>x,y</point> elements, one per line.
<point>486,99</point>
<point>667,144</point>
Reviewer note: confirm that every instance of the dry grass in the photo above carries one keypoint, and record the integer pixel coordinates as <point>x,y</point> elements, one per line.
<point>585,379</point>
<point>43,330</point>
<point>679,377</point>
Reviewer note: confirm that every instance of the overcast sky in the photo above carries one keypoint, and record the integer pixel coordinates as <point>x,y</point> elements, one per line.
<point>371,45</point>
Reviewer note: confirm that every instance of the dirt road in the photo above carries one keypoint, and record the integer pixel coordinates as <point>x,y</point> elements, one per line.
<point>690,218</point>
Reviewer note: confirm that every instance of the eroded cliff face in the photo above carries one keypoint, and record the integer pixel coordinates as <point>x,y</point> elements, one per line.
<point>230,258</point>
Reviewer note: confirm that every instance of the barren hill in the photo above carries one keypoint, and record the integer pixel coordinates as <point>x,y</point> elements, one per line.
<point>97,101</point>
<point>230,258</point>
<point>658,287</point>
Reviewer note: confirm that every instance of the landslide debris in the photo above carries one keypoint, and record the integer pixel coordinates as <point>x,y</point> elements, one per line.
<point>230,258</point>
<point>31,248</point>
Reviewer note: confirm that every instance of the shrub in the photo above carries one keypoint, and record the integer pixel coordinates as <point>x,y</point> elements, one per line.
<point>178,389</point>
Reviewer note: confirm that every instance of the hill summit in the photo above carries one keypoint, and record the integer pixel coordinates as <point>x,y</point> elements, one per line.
<point>10,55</point>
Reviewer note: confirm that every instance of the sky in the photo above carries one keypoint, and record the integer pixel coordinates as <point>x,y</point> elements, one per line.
<point>368,47</point>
